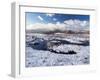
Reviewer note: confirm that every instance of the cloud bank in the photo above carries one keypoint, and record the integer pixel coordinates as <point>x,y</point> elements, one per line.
<point>74,25</point>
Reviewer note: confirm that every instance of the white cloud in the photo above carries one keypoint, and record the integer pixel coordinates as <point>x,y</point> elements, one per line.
<point>58,23</point>
<point>75,25</point>
<point>50,14</point>
<point>40,27</point>
<point>85,23</point>
<point>69,22</point>
<point>40,18</point>
<point>54,19</point>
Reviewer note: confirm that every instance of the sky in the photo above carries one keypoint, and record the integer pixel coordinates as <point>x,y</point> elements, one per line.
<point>39,21</point>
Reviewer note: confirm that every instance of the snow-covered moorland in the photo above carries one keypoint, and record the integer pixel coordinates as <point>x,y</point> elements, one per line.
<point>53,49</point>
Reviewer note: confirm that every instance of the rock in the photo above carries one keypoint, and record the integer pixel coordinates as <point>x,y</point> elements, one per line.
<point>71,52</point>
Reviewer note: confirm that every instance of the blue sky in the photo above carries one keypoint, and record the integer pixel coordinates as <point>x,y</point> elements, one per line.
<point>35,17</point>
